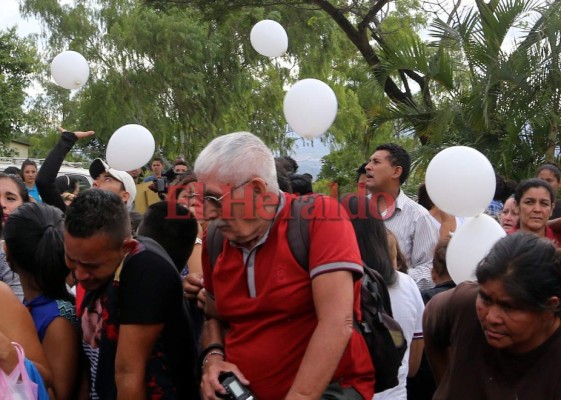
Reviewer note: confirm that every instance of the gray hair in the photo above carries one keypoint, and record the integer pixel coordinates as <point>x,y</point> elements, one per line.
<point>235,158</point>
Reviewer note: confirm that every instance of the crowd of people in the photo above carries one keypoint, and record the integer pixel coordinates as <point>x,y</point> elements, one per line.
<point>209,282</point>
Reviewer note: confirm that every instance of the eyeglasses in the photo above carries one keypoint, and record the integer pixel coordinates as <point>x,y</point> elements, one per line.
<point>217,201</point>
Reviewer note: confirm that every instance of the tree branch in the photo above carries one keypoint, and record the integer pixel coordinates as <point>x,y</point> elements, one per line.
<point>405,83</point>
<point>362,44</point>
<point>363,25</point>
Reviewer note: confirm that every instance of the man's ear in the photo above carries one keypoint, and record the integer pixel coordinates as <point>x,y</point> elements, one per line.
<point>552,304</point>
<point>125,196</point>
<point>258,186</point>
<point>129,245</point>
<point>398,170</point>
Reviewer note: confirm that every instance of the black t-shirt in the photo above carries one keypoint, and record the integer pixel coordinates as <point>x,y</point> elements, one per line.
<point>147,290</point>
<point>430,293</point>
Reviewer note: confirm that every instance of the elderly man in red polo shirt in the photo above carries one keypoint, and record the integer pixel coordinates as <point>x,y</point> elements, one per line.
<point>289,330</point>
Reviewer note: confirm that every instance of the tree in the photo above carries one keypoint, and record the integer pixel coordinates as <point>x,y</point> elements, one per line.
<point>18,60</point>
<point>471,91</point>
<point>365,25</point>
<point>504,102</point>
<point>185,76</point>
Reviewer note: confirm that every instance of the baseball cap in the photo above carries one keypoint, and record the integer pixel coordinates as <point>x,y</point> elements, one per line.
<point>98,166</point>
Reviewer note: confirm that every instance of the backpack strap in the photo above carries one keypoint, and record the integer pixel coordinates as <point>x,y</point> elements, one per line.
<point>214,241</point>
<point>298,229</point>
<point>375,285</point>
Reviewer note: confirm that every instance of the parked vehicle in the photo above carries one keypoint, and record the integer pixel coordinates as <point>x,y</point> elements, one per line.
<point>72,169</point>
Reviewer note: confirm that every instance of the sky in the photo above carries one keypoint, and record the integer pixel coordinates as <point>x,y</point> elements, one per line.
<point>10,16</point>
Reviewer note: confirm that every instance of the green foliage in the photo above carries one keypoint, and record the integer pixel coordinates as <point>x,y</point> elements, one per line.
<point>189,75</point>
<point>502,102</point>
<point>323,186</point>
<point>41,144</point>
<point>18,61</point>
<point>186,70</point>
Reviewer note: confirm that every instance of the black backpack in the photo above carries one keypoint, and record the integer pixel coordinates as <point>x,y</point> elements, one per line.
<point>383,335</point>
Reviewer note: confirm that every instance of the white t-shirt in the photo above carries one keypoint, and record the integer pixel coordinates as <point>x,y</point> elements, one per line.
<point>407,307</point>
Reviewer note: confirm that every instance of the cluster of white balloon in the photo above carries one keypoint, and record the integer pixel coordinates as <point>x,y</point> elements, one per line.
<point>461,181</point>
<point>310,106</point>
<point>131,146</point>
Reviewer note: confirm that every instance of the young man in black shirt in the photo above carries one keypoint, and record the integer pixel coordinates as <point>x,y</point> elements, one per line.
<point>135,331</point>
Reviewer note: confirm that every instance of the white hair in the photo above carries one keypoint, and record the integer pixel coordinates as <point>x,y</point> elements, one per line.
<point>236,158</point>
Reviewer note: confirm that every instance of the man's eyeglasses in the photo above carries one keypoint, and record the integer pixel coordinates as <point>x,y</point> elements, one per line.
<point>217,201</point>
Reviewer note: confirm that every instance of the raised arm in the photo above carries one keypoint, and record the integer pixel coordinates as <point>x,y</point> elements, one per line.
<point>49,169</point>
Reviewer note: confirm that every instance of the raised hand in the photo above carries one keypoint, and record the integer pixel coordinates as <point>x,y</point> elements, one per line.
<point>79,134</point>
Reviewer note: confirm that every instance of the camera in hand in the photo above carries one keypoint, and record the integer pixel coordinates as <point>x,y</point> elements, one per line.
<point>234,388</point>
<point>161,185</point>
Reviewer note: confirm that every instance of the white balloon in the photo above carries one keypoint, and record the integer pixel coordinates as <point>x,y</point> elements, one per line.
<point>269,38</point>
<point>461,181</point>
<point>470,244</point>
<point>310,107</point>
<point>70,70</point>
<point>130,147</point>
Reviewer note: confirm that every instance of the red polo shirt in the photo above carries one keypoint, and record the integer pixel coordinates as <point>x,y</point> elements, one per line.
<point>269,305</point>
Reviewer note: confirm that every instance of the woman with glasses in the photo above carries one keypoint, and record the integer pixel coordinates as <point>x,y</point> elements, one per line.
<point>192,275</point>
<point>500,338</point>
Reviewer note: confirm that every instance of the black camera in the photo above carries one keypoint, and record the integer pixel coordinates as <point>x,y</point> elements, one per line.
<point>161,185</point>
<point>234,388</point>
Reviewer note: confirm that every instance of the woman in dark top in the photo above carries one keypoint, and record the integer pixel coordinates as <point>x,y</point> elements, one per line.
<point>500,338</point>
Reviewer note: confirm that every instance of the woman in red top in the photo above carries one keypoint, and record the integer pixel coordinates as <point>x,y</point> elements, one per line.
<point>535,200</point>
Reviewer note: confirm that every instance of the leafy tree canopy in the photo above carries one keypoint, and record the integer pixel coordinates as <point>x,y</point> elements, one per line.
<point>18,61</point>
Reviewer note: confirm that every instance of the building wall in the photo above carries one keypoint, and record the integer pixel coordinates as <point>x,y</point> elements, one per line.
<point>21,149</point>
